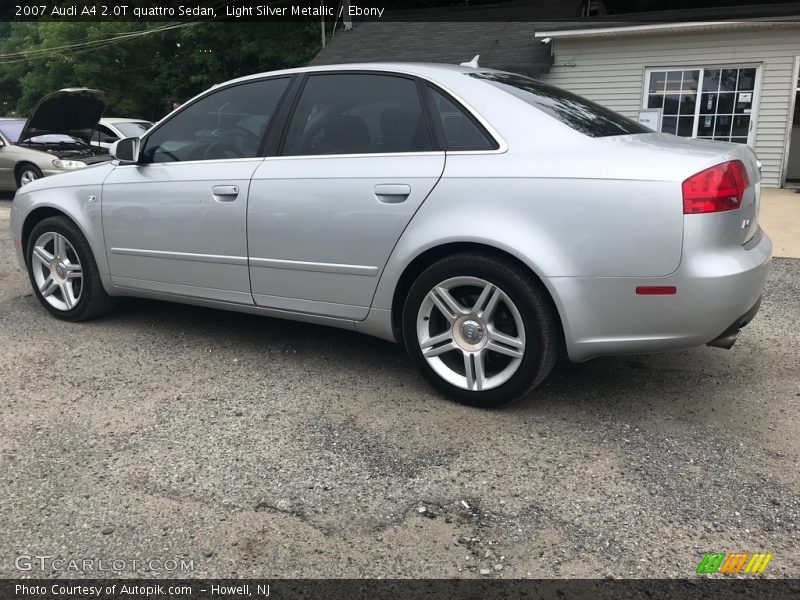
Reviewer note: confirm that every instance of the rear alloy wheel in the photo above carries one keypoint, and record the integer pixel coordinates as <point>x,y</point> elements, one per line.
<point>481,330</point>
<point>27,173</point>
<point>63,272</point>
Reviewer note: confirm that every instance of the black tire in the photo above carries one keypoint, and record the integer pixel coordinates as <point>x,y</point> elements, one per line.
<point>540,320</point>
<point>93,300</point>
<point>26,167</point>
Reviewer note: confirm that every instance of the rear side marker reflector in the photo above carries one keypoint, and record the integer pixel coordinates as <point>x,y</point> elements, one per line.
<point>656,290</point>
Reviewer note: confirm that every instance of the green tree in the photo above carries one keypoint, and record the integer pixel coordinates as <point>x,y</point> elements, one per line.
<point>141,67</point>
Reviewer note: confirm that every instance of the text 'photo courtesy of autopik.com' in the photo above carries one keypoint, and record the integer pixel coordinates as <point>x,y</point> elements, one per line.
<point>395,299</point>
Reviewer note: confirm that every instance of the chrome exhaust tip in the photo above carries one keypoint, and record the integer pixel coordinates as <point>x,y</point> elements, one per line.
<point>725,341</point>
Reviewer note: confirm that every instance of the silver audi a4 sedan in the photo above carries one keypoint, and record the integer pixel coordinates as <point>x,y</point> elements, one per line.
<point>487,221</point>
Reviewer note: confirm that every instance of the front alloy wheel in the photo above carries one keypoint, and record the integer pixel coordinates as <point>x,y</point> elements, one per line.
<point>57,271</point>
<point>63,272</point>
<point>481,328</point>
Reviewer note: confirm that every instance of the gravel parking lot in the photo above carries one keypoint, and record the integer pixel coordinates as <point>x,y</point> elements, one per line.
<point>265,448</point>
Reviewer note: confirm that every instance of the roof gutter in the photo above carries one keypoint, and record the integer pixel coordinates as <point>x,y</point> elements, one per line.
<point>657,27</point>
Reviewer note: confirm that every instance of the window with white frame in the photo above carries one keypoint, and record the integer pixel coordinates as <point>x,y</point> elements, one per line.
<point>707,103</point>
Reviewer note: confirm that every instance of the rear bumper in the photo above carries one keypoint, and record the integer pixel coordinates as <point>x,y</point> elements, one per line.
<point>717,291</point>
<point>728,337</point>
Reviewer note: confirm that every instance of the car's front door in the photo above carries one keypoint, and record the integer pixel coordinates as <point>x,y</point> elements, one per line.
<point>176,222</point>
<point>324,215</point>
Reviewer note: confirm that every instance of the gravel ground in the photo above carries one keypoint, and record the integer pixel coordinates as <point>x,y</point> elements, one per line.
<point>265,448</point>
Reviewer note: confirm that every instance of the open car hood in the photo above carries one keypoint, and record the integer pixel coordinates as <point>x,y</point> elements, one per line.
<point>71,111</point>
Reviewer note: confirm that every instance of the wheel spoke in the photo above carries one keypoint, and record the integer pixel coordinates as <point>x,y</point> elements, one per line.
<point>446,304</point>
<point>505,344</point>
<point>49,286</point>
<point>59,246</point>
<point>66,293</point>
<point>73,271</point>
<point>438,344</point>
<point>42,255</point>
<point>487,302</point>
<point>473,368</point>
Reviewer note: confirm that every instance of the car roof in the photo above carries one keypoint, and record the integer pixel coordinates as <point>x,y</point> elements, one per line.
<point>421,69</point>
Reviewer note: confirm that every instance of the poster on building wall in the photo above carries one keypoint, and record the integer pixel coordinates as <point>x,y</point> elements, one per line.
<point>651,118</point>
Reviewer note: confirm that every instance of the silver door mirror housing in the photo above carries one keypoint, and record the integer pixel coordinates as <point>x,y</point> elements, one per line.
<point>126,151</point>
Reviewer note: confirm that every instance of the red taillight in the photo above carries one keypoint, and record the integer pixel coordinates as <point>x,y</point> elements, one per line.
<point>716,189</point>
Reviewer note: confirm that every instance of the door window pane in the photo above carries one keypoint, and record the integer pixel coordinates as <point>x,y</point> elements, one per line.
<point>747,80</point>
<point>725,103</point>
<point>357,114</point>
<point>705,128</point>
<point>226,124</point>
<point>711,80</point>
<point>708,104</point>
<point>685,126</point>
<point>727,81</point>
<point>669,124</point>
<point>741,125</point>
<point>722,129</point>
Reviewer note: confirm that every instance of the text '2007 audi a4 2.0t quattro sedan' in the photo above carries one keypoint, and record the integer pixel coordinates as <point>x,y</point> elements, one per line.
<point>487,221</point>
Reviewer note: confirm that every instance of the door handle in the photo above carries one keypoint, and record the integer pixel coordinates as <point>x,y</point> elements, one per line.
<point>225,193</point>
<point>392,193</point>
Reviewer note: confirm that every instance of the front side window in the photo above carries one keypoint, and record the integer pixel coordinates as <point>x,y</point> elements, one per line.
<point>572,110</point>
<point>357,113</point>
<point>226,124</point>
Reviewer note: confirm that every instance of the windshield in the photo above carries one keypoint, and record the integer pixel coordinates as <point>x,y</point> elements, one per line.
<point>572,110</point>
<point>133,128</point>
<point>12,129</point>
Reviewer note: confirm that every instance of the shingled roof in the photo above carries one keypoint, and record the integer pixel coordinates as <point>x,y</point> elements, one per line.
<point>505,46</point>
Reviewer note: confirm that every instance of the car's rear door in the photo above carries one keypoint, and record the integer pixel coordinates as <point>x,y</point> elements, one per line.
<point>176,222</point>
<point>356,162</point>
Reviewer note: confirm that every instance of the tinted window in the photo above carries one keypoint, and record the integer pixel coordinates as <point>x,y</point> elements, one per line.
<point>582,115</point>
<point>460,129</point>
<point>229,123</point>
<point>357,114</point>
<point>133,128</point>
<point>105,135</point>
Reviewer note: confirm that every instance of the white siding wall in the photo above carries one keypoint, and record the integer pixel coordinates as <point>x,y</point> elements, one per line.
<point>610,71</point>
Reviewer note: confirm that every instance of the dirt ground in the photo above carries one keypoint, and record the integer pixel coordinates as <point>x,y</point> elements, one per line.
<point>255,447</point>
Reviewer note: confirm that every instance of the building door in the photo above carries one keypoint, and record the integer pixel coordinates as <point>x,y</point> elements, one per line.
<point>793,159</point>
<point>707,103</point>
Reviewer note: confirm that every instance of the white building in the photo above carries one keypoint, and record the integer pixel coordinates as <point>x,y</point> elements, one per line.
<point>735,82</point>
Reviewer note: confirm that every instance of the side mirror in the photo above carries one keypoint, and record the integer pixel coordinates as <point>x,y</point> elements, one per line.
<point>126,151</point>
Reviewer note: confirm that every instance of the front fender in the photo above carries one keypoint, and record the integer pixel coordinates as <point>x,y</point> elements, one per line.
<point>80,202</point>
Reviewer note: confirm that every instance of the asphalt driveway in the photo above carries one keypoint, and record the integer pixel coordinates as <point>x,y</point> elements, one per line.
<point>255,447</point>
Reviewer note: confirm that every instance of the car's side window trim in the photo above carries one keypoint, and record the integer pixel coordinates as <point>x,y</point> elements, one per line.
<point>215,90</point>
<point>436,149</point>
<point>430,103</point>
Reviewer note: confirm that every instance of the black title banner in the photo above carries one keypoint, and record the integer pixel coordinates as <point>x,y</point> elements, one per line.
<point>336,589</point>
<point>389,10</point>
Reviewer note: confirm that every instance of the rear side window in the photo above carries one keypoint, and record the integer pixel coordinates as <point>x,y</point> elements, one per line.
<point>578,113</point>
<point>461,131</point>
<point>355,113</point>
